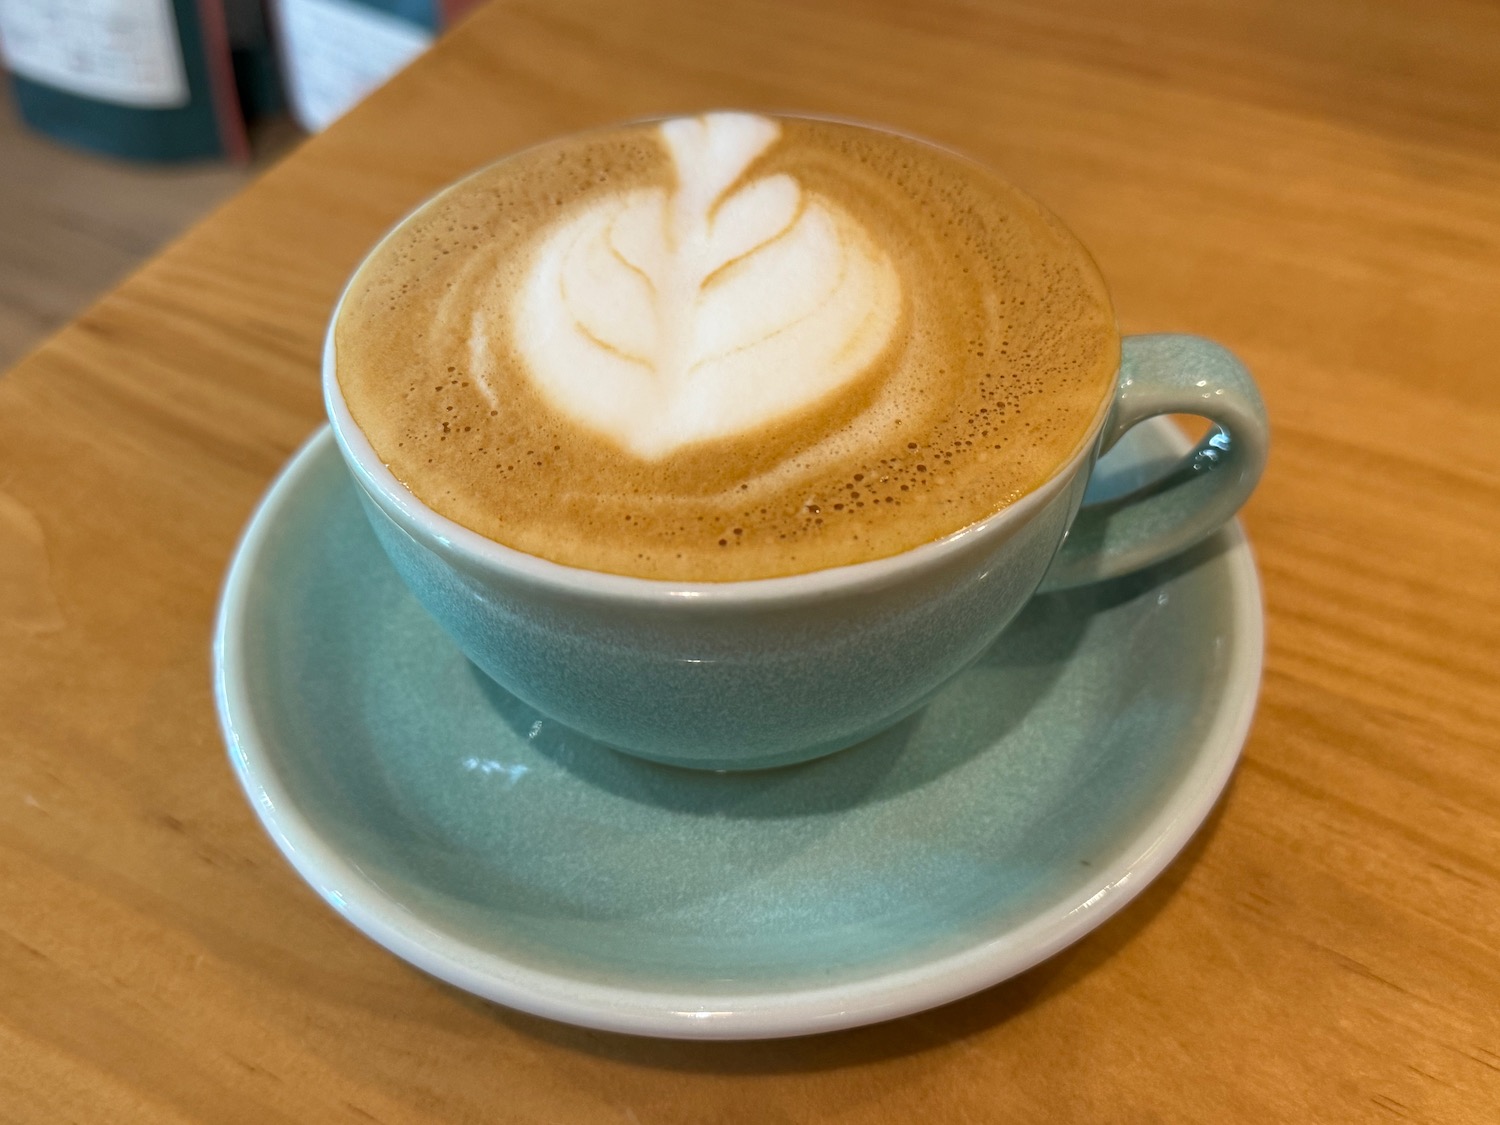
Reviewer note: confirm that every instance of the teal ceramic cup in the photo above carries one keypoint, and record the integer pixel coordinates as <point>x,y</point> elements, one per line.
<point>769,672</point>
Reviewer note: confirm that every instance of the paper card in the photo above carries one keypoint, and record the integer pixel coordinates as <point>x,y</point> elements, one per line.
<point>121,51</point>
<point>336,51</point>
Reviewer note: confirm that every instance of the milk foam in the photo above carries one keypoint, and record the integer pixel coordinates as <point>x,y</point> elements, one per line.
<point>662,318</point>
<point>727,347</point>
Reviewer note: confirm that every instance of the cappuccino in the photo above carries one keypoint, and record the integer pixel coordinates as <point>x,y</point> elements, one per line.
<point>726,347</point>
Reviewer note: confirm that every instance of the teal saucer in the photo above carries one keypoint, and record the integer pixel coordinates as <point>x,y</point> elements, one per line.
<point>502,852</point>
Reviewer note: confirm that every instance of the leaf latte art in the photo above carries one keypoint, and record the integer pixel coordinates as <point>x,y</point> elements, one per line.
<point>725,347</point>
<point>662,318</point>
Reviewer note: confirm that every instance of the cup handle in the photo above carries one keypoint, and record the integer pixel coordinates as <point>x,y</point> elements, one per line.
<point>1170,374</point>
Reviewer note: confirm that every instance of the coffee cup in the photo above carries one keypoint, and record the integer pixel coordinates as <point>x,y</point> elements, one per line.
<point>760,672</point>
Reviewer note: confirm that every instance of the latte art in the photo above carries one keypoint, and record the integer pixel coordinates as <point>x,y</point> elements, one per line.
<point>725,347</point>
<point>661,318</point>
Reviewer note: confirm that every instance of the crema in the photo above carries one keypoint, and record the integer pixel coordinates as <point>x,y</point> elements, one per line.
<point>726,347</point>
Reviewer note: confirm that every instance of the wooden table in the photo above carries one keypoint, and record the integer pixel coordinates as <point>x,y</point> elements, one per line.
<point>1314,182</point>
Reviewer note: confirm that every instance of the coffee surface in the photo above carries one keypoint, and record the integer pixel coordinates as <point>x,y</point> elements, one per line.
<point>726,347</point>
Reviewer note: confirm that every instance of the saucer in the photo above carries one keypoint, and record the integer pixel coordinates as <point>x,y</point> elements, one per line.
<point>502,852</point>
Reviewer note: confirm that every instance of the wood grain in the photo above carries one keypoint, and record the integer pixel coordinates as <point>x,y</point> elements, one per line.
<point>1313,183</point>
<point>72,223</point>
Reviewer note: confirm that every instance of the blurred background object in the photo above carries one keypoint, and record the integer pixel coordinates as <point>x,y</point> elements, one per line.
<point>72,224</point>
<point>334,52</point>
<point>195,95</point>
<point>151,79</point>
<point>182,79</point>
